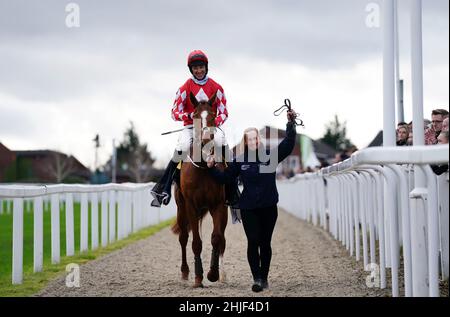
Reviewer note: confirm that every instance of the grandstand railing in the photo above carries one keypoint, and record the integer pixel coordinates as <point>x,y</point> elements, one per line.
<point>369,201</point>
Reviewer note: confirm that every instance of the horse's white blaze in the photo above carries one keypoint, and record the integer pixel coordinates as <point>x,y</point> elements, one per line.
<point>204,115</point>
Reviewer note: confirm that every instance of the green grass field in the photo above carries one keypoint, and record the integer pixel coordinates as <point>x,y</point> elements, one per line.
<point>34,281</point>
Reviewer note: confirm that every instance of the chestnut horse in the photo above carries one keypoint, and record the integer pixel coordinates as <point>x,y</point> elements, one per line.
<point>197,194</point>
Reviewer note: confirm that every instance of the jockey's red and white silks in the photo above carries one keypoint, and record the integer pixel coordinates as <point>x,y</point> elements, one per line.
<point>183,108</point>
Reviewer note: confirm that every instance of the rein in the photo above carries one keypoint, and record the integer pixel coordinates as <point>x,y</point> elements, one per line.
<point>287,107</point>
<point>199,143</point>
<point>193,163</point>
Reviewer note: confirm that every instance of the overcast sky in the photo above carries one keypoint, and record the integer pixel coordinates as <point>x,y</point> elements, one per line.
<point>60,86</point>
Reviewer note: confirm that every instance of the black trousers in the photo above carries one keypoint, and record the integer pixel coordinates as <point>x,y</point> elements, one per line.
<point>258,226</point>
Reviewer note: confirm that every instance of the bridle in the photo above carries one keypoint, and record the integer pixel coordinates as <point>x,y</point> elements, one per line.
<point>199,141</point>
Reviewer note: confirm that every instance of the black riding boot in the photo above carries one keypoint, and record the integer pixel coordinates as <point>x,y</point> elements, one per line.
<point>162,191</point>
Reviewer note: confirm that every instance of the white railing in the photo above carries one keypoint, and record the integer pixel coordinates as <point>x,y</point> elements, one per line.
<point>131,202</point>
<point>371,198</point>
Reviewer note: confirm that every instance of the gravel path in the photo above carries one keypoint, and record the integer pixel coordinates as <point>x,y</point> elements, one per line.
<point>306,261</point>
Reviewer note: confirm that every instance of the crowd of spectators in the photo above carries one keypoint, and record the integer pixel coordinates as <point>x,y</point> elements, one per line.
<point>436,130</point>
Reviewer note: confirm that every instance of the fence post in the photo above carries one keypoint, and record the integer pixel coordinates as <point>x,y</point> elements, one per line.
<point>356,205</point>
<point>112,216</point>
<point>346,199</point>
<point>104,219</point>
<point>94,221</point>
<point>371,210</point>
<point>406,226</point>
<point>362,210</point>
<point>70,232</point>
<point>390,206</point>
<point>84,223</point>
<point>379,202</point>
<point>433,232</point>
<point>38,232</point>
<point>129,213</point>
<point>418,243</point>
<point>381,226</point>
<point>17,265</point>
<point>353,211</point>
<point>55,234</point>
<point>133,212</point>
<point>119,214</point>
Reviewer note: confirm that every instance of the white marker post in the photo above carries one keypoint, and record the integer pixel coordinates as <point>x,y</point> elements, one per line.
<point>84,223</point>
<point>419,194</point>
<point>55,229</point>
<point>104,228</point>
<point>94,221</point>
<point>38,235</point>
<point>17,265</point>
<point>70,231</point>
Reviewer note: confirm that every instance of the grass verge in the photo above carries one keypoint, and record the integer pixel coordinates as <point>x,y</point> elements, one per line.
<point>34,282</point>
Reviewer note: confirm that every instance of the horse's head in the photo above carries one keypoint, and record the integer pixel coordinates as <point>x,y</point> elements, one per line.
<point>204,119</point>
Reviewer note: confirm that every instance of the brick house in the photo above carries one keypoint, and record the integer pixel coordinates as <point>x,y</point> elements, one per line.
<point>7,158</point>
<point>41,166</point>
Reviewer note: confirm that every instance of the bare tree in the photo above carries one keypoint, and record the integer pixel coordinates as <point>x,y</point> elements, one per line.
<point>133,157</point>
<point>60,166</point>
<point>140,164</point>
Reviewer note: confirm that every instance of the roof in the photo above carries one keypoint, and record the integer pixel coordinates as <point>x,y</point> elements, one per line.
<point>323,150</point>
<point>377,141</point>
<point>37,152</point>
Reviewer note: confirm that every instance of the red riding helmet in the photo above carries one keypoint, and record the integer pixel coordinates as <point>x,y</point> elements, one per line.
<point>197,57</point>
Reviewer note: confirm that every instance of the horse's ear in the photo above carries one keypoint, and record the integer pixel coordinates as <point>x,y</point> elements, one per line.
<point>194,100</point>
<point>212,99</point>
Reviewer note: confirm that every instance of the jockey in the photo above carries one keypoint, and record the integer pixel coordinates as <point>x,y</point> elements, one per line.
<point>203,88</point>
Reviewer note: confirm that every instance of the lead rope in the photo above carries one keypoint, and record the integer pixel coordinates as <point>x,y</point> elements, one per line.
<point>287,107</point>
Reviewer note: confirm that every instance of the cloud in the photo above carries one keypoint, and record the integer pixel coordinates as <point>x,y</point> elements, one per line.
<point>60,86</point>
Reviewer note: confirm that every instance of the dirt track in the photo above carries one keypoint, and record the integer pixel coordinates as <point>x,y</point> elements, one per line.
<point>306,262</point>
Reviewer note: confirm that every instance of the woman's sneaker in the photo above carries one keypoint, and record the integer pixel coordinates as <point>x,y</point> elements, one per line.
<point>257,286</point>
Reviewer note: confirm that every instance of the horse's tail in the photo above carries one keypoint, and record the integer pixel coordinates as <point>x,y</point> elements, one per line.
<point>176,228</point>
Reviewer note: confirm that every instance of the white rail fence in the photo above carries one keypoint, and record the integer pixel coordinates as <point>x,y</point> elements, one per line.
<point>369,203</point>
<point>123,209</point>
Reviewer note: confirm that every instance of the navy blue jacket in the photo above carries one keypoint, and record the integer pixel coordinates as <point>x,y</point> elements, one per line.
<point>258,176</point>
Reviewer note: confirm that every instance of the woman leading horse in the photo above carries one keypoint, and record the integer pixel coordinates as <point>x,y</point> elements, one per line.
<point>256,167</point>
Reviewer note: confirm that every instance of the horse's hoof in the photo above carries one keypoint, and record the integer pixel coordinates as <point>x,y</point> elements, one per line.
<point>198,282</point>
<point>213,275</point>
<point>185,276</point>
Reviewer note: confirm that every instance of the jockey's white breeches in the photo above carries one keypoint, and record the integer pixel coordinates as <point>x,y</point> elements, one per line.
<point>186,137</point>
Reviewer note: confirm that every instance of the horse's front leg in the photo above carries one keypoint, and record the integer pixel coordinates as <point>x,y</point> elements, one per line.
<point>183,233</point>
<point>220,218</point>
<point>183,238</point>
<point>197,249</point>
